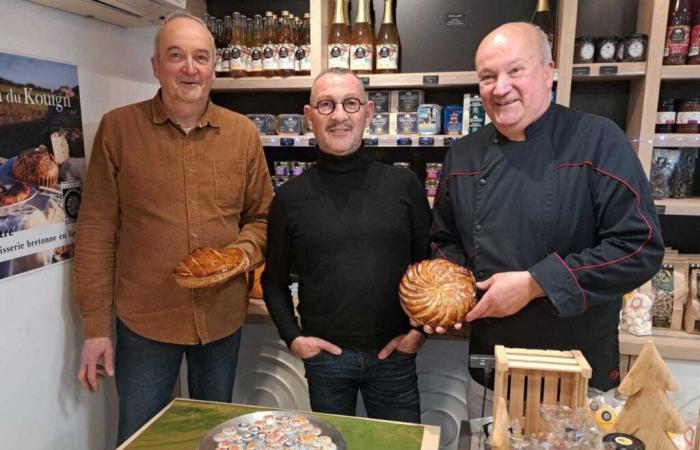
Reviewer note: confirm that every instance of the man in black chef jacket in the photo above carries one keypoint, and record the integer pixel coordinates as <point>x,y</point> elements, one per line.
<point>349,227</point>
<point>550,209</point>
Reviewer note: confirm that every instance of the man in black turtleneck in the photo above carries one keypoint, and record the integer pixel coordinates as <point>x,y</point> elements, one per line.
<point>350,227</point>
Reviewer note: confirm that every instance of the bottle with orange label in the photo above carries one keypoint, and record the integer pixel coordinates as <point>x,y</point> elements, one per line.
<point>285,47</point>
<point>269,52</point>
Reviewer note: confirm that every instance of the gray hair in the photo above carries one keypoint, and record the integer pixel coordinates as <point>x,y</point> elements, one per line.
<point>181,14</point>
<point>545,48</point>
<point>336,71</point>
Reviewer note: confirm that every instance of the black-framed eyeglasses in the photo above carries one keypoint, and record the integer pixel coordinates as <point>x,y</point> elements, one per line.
<point>326,107</point>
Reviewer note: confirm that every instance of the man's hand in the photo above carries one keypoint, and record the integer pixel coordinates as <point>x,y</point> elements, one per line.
<point>506,293</point>
<point>94,350</point>
<point>410,342</point>
<point>439,330</point>
<point>307,346</point>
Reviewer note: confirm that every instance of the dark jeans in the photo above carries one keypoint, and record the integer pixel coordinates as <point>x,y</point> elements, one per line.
<point>389,388</point>
<point>146,372</point>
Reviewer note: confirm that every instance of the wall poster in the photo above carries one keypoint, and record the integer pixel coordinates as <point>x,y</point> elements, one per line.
<point>42,162</point>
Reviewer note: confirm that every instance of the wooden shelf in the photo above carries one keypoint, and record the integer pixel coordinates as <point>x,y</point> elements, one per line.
<point>670,344</point>
<point>383,140</point>
<point>679,206</point>
<point>677,140</point>
<point>687,72</point>
<point>262,84</point>
<point>427,80</point>
<point>610,71</point>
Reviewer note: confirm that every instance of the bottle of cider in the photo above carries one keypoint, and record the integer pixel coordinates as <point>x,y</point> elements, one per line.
<point>269,54</point>
<point>361,42</point>
<point>285,47</point>
<point>388,46</point>
<point>677,32</point>
<point>302,58</point>
<point>256,48</point>
<point>543,19</point>
<point>237,65</point>
<point>339,39</point>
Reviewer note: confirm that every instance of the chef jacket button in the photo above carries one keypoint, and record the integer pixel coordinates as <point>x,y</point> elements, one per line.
<point>477,228</point>
<point>495,140</point>
<point>482,181</point>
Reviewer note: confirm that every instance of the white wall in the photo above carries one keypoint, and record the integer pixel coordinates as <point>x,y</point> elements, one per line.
<point>41,403</point>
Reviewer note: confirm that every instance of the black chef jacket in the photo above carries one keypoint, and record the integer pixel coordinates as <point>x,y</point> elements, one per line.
<point>571,205</point>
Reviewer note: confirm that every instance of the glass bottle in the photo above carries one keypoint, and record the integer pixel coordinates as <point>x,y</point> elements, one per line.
<point>677,33</point>
<point>694,48</point>
<point>361,42</point>
<point>388,46</point>
<point>237,47</point>
<point>543,19</point>
<point>339,39</point>
<point>302,57</point>
<point>285,48</point>
<point>256,49</point>
<point>269,53</point>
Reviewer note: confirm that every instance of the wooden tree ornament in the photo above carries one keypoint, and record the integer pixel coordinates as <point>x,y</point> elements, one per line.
<point>648,413</point>
<point>501,423</point>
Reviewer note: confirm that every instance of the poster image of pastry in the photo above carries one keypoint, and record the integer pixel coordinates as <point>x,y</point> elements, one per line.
<point>42,162</point>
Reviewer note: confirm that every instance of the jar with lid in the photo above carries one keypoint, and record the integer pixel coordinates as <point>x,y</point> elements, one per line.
<point>584,50</point>
<point>636,48</point>
<point>605,49</point>
<point>688,117</point>
<point>666,115</point>
<point>620,50</point>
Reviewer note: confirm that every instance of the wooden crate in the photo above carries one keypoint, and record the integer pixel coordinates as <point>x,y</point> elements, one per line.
<point>527,378</point>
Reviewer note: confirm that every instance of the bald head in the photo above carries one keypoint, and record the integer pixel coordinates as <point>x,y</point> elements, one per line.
<point>353,81</point>
<point>176,16</point>
<point>530,35</point>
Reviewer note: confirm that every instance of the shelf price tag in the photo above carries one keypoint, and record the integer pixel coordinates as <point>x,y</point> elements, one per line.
<point>431,80</point>
<point>286,142</point>
<point>312,142</point>
<point>365,81</point>
<point>404,141</point>
<point>426,141</point>
<point>607,70</point>
<point>371,141</point>
<point>449,141</point>
<point>660,209</point>
<point>581,71</point>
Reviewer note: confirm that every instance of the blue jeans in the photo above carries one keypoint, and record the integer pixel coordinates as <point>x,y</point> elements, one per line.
<point>389,387</point>
<point>146,371</point>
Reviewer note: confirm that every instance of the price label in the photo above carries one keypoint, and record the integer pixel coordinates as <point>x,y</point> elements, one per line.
<point>608,70</point>
<point>581,71</point>
<point>286,142</point>
<point>365,81</point>
<point>404,141</point>
<point>448,141</point>
<point>426,141</point>
<point>660,209</point>
<point>312,142</point>
<point>371,141</point>
<point>431,80</point>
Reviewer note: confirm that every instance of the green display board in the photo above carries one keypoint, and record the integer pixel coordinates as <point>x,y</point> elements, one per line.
<point>186,422</point>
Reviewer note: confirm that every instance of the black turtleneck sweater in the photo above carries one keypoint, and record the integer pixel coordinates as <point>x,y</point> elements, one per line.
<point>349,227</point>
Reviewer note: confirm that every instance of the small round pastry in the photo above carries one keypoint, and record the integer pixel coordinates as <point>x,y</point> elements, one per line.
<point>208,266</point>
<point>16,193</point>
<point>36,166</point>
<point>437,292</point>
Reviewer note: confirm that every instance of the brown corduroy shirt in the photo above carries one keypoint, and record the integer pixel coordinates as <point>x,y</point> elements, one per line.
<point>153,194</point>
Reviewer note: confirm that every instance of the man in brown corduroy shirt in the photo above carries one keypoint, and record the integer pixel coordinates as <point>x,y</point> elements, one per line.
<point>167,176</point>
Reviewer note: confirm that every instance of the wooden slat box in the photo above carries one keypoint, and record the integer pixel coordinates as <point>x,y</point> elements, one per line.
<point>527,378</point>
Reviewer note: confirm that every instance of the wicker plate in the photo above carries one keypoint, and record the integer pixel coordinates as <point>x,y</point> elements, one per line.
<point>208,442</point>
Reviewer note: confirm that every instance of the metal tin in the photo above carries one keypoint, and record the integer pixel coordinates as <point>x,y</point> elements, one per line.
<point>666,115</point>
<point>265,123</point>
<point>636,47</point>
<point>290,124</point>
<point>605,49</point>
<point>379,124</point>
<point>584,50</point>
<point>688,116</point>
<point>281,168</point>
<point>429,119</point>
<point>432,171</point>
<point>452,120</point>
<point>407,123</point>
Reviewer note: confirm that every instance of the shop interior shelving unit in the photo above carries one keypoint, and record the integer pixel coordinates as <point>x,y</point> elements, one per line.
<point>645,82</point>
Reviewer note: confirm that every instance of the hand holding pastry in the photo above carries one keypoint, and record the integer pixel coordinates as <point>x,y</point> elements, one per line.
<point>207,266</point>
